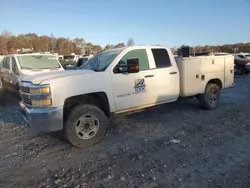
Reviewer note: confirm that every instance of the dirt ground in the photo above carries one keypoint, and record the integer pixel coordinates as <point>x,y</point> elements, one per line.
<point>174,145</point>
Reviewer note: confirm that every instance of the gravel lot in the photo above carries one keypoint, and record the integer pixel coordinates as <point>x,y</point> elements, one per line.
<point>175,145</point>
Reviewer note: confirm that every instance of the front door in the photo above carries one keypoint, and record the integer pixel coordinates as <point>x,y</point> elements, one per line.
<point>134,90</point>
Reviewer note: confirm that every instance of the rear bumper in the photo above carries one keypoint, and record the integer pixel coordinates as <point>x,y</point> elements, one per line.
<point>43,119</point>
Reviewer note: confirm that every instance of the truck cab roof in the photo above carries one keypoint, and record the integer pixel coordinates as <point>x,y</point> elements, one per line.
<point>136,47</point>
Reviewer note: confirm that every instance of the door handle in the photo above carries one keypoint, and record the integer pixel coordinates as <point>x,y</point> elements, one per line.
<point>149,76</point>
<point>173,73</point>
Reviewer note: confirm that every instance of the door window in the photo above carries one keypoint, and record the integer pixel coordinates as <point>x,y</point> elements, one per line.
<point>161,57</point>
<point>14,66</point>
<point>141,54</point>
<point>6,63</point>
<point>241,56</point>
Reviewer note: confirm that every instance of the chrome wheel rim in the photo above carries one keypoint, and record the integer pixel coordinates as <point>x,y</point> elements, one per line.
<point>87,126</point>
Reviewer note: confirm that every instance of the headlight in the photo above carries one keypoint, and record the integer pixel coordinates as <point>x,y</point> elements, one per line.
<point>44,90</point>
<point>41,102</point>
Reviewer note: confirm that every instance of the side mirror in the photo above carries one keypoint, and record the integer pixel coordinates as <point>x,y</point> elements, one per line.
<point>131,66</point>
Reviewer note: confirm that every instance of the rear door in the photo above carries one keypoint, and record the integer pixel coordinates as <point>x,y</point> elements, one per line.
<point>166,74</point>
<point>229,71</point>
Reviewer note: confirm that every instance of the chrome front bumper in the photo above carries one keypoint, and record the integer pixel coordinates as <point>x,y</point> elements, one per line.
<point>43,119</point>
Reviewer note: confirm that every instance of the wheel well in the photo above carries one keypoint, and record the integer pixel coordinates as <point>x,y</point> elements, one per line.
<point>99,99</point>
<point>216,81</point>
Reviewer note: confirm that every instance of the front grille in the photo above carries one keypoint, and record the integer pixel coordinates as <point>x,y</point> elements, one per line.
<point>26,99</point>
<point>25,89</point>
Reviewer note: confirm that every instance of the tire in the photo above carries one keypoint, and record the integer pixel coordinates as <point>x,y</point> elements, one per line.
<point>240,70</point>
<point>211,98</point>
<point>80,127</point>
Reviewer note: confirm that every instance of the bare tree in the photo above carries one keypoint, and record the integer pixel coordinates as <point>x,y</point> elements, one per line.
<point>6,34</point>
<point>119,45</point>
<point>4,38</point>
<point>80,43</point>
<point>174,50</point>
<point>53,43</point>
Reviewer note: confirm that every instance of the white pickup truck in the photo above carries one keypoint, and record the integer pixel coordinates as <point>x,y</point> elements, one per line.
<point>117,81</point>
<point>16,66</point>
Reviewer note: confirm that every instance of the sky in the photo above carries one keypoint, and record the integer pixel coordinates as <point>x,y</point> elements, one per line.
<point>164,22</point>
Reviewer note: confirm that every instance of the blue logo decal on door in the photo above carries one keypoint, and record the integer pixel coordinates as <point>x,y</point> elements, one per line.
<point>140,86</point>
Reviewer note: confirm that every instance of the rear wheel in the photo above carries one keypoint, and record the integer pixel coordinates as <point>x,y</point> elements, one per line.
<point>240,70</point>
<point>85,125</point>
<point>211,98</point>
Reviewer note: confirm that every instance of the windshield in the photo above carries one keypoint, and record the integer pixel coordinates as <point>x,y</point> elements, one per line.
<point>68,57</point>
<point>101,61</point>
<point>38,62</point>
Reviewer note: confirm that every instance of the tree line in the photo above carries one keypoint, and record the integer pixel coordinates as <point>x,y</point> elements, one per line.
<point>11,43</point>
<point>227,48</point>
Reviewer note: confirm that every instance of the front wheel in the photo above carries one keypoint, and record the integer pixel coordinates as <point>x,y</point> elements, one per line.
<point>85,125</point>
<point>211,98</point>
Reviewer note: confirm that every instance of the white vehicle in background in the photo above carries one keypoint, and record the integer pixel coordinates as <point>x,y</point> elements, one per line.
<point>242,63</point>
<point>79,62</point>
<point>247,56</point>
<point>71,58</point>
<point>83,60</point>
<point>17,66</point>
<point>242,56</point>
<point>60,57</point>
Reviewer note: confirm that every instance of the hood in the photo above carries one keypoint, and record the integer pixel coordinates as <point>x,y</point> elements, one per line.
<point>30,72</point>
<point>38,78</point>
